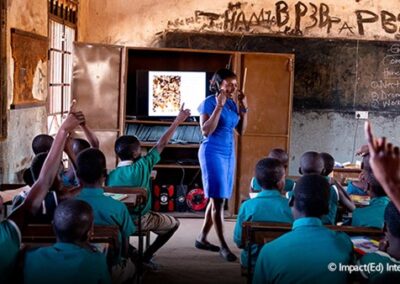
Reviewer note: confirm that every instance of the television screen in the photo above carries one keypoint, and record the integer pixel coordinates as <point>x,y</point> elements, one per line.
<point>168,90</point>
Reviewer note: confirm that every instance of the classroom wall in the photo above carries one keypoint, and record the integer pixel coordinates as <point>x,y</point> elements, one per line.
<point>22,124</point>
<point>143,23</point>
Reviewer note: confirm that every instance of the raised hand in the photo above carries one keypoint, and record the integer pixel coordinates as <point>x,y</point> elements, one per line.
<point>72,121</point>
<point>221,98</point>
<point>183,114</point>
<point>385,164</point>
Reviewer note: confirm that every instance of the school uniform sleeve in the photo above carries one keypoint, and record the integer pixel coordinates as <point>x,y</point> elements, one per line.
<point>237,234</point>
<point>152,158</point>
<point>206,107</point>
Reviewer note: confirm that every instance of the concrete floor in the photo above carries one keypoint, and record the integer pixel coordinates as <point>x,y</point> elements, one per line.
<point>180,262</point>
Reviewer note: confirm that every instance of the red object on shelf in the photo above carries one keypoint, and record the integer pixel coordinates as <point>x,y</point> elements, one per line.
<point>196,200</point>
<point>163,198</point>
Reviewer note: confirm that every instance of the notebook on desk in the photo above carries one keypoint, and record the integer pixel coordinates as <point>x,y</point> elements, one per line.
<point>363,245</point>
<point>116,196</point>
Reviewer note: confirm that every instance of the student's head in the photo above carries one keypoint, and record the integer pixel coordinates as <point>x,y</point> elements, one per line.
<point>127,148</point>
<point>27,177</point>
<point>91,167</point>
<point>329,163</point>
<point>36,168</point>
<point>73,221</point>
<point>78,145</point>
<point>373,187</point>
<point>310,197</point>
<point>270,174</point>
<point>311,163</point>
<point>223,79</point>
<point>281,155</point>
<point>42,143</point>
<point>392,222</point>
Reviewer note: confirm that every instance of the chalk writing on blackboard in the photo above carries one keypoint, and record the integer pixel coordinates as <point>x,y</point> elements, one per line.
<point>386,92</point>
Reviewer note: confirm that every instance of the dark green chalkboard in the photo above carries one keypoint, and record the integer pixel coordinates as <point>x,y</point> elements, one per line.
<point>334,74</point>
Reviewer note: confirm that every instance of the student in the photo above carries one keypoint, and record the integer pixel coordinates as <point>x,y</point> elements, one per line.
<point>135,170</point>
<point>91,171</point>
<point>305,254</point>
<point>344,198</point>
<point>313,163</point>
<point>358,187</point>
<point>371,215</point>
<point>268,206</point>
<point>42,143</point>
<point>385,164</point>
<point>10,229</point>
<point>283,157</point>
<point>389,253</point>
<point>72,259</point>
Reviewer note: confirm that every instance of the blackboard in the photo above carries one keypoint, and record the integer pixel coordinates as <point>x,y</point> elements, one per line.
<point>330,74</point>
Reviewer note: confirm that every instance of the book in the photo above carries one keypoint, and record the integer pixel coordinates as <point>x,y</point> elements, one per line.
<point>363,245</point>
<point>116,196</point>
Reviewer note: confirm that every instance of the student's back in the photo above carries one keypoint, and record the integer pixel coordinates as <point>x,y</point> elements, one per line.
<point>306,254</point>
<point>71,259</point>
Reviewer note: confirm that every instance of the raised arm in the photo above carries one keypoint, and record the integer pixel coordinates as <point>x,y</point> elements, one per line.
<point>91,137</point>
<point>49,171</point>
<point>208,123</point>
<point>385,164</point>
<point>163,141</point>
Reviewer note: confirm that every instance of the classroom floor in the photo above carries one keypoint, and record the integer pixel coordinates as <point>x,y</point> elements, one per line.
<point>180,262</point>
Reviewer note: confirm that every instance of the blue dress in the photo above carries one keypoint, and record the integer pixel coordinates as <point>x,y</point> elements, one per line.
<point>217,151</point>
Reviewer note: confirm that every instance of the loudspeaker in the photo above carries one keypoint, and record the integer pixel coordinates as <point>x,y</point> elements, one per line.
<point>163,198</point>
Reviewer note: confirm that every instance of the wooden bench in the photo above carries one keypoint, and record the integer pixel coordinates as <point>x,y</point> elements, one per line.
<point>259,233</point>
<point>35,235</point>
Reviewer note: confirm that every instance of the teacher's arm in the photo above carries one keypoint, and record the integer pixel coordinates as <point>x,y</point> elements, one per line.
<point>243,111</point>
<point>208,123</point>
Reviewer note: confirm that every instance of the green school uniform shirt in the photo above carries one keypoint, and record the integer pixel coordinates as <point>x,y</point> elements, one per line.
<point>378,257</point>
<point>65,263</point>
<point>267,206</point>
<point>303,255</point>
<point>10,241</point>
<point>136,174</point>
<point>371,215</point>
<point>289,185</point>
<point>108,211</point>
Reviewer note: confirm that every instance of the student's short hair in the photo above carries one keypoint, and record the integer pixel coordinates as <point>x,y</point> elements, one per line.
<point>392,219</point>
<point>37,164</point>
<point>42,143</point>
<point>280,154</point>
<point>311,163</point>
<point>374,184</point>
<point>269,172</point>
<point>218,77</point>
<point>78,145</point>
<point>329,162</point>
<point>72,221</point>
<point>311,195</point>
<point>125,146</point>
<point>91,165</point>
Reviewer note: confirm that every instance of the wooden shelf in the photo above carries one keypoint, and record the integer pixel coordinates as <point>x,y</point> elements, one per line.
<point>176,166</point>
<point>152,122</point>
<point>152,144</point>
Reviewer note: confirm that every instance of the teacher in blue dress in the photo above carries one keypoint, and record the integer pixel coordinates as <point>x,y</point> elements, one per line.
<point>219,117</point>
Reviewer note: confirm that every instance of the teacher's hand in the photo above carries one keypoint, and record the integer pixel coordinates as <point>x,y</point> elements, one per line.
<point>221,98</point>
<point>242,99</point>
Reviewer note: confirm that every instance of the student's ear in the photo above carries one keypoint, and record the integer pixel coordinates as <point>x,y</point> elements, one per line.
<point>300,171</point>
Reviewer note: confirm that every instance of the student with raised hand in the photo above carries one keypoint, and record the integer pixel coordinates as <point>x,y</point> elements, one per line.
<point>389,250</point>
<point>135,171</point>
<point>385,164</point>
<point>10,229</point>
<point>268,206</point>
<point>72,259</point>
<point>308,253</point>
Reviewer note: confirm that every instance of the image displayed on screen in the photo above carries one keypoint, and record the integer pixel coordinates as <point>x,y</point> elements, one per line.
<point>168,90</point>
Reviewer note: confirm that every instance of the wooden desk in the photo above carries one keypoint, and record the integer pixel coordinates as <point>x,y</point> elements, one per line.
<point>343,174</point>
<point>136,196</point>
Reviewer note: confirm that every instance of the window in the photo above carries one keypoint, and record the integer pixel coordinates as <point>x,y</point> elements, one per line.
<point>62,33</point>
